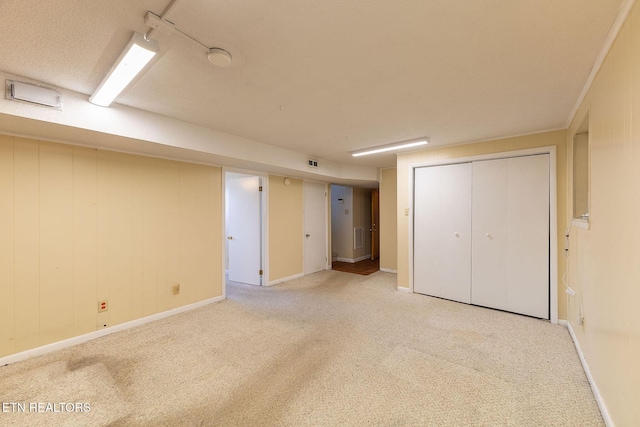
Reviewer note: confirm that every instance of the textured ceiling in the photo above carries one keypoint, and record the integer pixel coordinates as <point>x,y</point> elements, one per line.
<point>327,77</point>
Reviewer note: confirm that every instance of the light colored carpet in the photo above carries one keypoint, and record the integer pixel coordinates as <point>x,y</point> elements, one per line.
<point>328,349</point>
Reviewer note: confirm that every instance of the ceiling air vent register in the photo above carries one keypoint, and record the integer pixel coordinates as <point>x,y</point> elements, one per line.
<point>26,92</point>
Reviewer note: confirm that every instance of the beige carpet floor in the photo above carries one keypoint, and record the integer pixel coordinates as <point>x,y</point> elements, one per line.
<point>328,349</point>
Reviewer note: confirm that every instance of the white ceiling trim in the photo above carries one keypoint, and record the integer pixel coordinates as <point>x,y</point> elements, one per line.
<point>621,18</point>
<point>479,141</point>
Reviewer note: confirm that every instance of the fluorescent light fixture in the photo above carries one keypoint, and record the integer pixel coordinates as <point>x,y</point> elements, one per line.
<point>136,54</point>
<point>390,147</point>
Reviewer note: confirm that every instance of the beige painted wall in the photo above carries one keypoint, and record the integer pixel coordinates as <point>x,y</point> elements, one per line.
<point>286,222</point>
<point>329,225</point>
<point>362,218</point>
<point>557,139</point>
<point>604,268</point>
<point>388,219</point>
<point>79,225</point>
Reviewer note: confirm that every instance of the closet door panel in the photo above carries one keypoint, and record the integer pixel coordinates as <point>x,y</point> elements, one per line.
<point>527,266</point>
<point>489,233</point>
<point>510,243</point>
<point>442,231</point>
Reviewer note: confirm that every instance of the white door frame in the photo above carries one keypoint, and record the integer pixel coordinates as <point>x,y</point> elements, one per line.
<point>326,224</point>
<point>553,212</point>
<point>265,224</point>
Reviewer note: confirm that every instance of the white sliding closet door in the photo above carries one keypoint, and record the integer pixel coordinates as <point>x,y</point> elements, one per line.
<point>510,249</point>
<point>442,231</point>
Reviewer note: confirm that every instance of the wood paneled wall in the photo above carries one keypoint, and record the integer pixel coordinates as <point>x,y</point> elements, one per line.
<point>286,228</point>
<point>388,220</point>
<point>603,260</point>
<point>80,225</point>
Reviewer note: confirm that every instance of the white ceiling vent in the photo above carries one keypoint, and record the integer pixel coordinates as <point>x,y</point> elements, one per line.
<point>312,163</point>
<point>27,92</point>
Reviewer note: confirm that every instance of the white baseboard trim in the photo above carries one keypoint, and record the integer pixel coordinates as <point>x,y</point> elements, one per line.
<point>596,393</point>
<point>70,342</point>
<point>284,279</point>
<point>403,289</point>
<point>352,260</point>
<point>388,270</point>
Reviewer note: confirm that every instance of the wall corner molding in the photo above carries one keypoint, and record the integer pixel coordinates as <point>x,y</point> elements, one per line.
<point>616,26</point>
<point>596,392</point>
<point>354,260</point>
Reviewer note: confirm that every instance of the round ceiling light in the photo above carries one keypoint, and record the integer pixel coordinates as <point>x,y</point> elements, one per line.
<point>219,57</point>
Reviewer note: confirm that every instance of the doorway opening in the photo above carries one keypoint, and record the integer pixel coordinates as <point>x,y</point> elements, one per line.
<point>354,229</point>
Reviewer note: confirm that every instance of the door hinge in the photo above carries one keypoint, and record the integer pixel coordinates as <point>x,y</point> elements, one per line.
<point>261,272</point>
<point>260,188</point>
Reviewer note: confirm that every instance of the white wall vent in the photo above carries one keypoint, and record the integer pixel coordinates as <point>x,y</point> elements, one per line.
<point>33,94</point>
<point>312,163</point>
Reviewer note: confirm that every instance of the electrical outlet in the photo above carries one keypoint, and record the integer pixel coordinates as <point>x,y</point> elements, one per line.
<point>176,289</point>
<point>103,306</point>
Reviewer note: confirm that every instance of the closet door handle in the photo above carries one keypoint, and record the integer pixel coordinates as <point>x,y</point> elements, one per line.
<point>456,234</point>
<point>488,235</point>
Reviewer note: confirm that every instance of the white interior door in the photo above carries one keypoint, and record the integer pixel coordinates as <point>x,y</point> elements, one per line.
<point>315,227</point>
<point>511,235</point>
<point>442,231</point>
<point>244,231</point>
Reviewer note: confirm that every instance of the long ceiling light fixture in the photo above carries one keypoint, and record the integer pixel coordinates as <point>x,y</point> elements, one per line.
<point>135,56</point>
<point>390,147</point>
